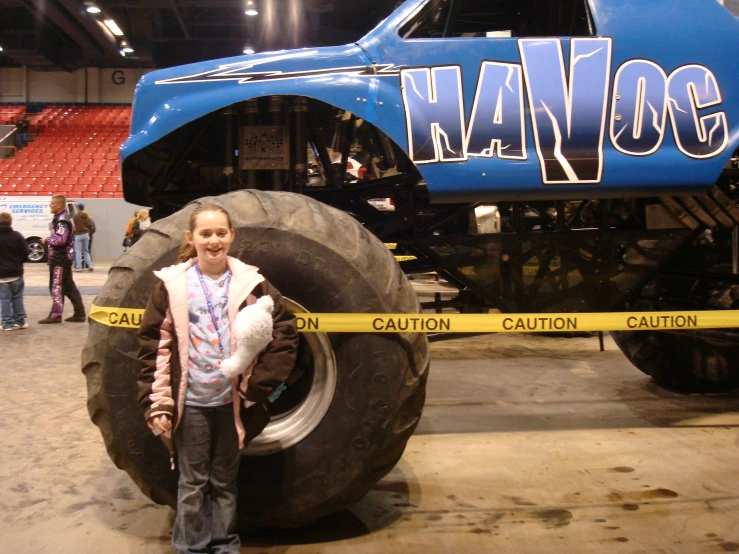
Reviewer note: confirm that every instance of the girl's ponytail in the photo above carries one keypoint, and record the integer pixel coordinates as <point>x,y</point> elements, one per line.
<point>187,250</point>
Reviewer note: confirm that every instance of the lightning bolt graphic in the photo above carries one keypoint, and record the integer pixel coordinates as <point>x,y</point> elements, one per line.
<point>571,175</point>
<point>241,74</point>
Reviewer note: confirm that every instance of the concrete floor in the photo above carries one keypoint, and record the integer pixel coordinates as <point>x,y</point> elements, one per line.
<point>527,444</point>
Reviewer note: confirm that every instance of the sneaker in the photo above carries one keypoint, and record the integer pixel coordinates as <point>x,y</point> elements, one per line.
<point>90,269</point>
<point>77,270</point>
<point>77,318</point>
<point>48,320</point>
<point>9,328</point>
<point>18,326</point>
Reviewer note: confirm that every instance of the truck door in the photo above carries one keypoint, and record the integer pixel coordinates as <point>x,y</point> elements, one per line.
<point>471,69</point>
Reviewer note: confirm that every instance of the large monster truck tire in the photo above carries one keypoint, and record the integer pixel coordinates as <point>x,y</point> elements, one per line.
<point>683,361</point>
<point>372,385</point>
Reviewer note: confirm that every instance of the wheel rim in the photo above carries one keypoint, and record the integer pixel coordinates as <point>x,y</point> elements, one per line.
<point>290,428</point>
<point>35,251</point>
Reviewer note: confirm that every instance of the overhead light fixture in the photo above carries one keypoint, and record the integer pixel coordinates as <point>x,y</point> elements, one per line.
<point>248,49</point>
<point>114,28</point>
<point>251,8</point>
<point>92,8</point>
<point>1,48</point>
<point>126,48</point>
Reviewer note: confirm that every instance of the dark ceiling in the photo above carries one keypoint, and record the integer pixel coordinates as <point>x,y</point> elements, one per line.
<point>62,35</point>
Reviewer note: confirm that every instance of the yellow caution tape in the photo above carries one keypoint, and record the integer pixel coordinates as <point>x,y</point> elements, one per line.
<point>117,317</point>
<point>405,258</point>
<point>474,323</point>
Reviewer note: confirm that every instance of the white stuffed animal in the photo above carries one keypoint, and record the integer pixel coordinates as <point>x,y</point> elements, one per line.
<point>253,331</point>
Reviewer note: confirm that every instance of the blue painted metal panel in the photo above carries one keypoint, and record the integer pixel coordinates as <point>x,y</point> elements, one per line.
<point>649,106</point>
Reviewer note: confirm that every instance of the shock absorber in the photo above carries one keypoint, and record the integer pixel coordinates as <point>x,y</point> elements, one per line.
<point>300,109</point>
<point>252,119</point>
<point>278,120</point>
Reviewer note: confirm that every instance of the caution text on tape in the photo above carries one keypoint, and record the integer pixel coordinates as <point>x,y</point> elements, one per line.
<point>474,323</point>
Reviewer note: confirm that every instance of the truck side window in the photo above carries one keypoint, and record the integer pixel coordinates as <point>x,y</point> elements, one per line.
<point>731,5</point>
<point>500,18</point>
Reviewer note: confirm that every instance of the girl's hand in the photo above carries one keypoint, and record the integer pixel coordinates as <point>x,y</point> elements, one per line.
<point>161,423</point>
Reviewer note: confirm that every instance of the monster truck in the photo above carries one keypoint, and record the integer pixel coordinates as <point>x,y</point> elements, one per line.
<point>603,132</point>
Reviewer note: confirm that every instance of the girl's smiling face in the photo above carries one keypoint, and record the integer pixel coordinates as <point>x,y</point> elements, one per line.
<point>211,238</point>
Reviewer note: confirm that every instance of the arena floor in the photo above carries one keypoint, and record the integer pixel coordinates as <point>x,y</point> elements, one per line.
<point>527,444</point>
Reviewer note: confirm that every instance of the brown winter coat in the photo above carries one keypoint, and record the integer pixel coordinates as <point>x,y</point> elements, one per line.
<point>164,347</point>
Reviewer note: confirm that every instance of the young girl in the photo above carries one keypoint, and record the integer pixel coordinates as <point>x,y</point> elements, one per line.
<point>184,336</point>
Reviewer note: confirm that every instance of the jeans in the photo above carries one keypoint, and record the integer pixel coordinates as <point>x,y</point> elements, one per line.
<point>207,447</point>
<point>22,140</point>
<point>82,248</point>
<point>61,284</point>
<point>11,303</point>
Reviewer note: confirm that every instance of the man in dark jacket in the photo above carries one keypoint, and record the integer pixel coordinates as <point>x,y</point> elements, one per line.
<point>61,254</point>
<point>13,252</point>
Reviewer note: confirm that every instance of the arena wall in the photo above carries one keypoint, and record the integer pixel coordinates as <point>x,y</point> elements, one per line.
<point>92,85</point>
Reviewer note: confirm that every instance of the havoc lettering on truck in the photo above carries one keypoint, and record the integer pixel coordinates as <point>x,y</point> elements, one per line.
<point>568,109</point>
<point>434,113</point>
<point>569,118</point>
<point>498,128</point>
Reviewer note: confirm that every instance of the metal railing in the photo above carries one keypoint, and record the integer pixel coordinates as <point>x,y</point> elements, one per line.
<point>8,141</point>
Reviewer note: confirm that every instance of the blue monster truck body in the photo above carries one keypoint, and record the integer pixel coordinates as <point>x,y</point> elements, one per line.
<point>567,155</point>
<point>648,105</point>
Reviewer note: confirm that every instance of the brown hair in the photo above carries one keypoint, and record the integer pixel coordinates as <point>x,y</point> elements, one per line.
<point>6,218</point>
<point>187,250</point>
<point>60,197</point>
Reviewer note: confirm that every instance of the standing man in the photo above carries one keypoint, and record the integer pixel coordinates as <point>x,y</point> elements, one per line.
<point>22,129</point>
<point>61,253</point>
<point>13,253</point>
<point>92,229</point>
<point>83,230</point>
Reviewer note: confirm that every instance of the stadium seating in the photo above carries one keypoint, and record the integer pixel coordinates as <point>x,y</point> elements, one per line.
<point>75,152</point>
<point>10,114</point>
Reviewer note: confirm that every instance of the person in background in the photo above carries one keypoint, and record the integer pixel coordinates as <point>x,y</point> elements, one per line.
<point>61,252</point>
<point>141,224</point>
<point>92,228</point>
<point>21,132</point>
<point>128,238</point>
<point>13,253</point>
<point>83,229</point>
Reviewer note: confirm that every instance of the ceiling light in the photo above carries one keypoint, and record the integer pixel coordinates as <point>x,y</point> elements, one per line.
<point>127,49</point>
<point>92,8</point>
<point>248,49</point>
<point>252,12</point>
<point>114,28</point>
<point>1,48</point>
